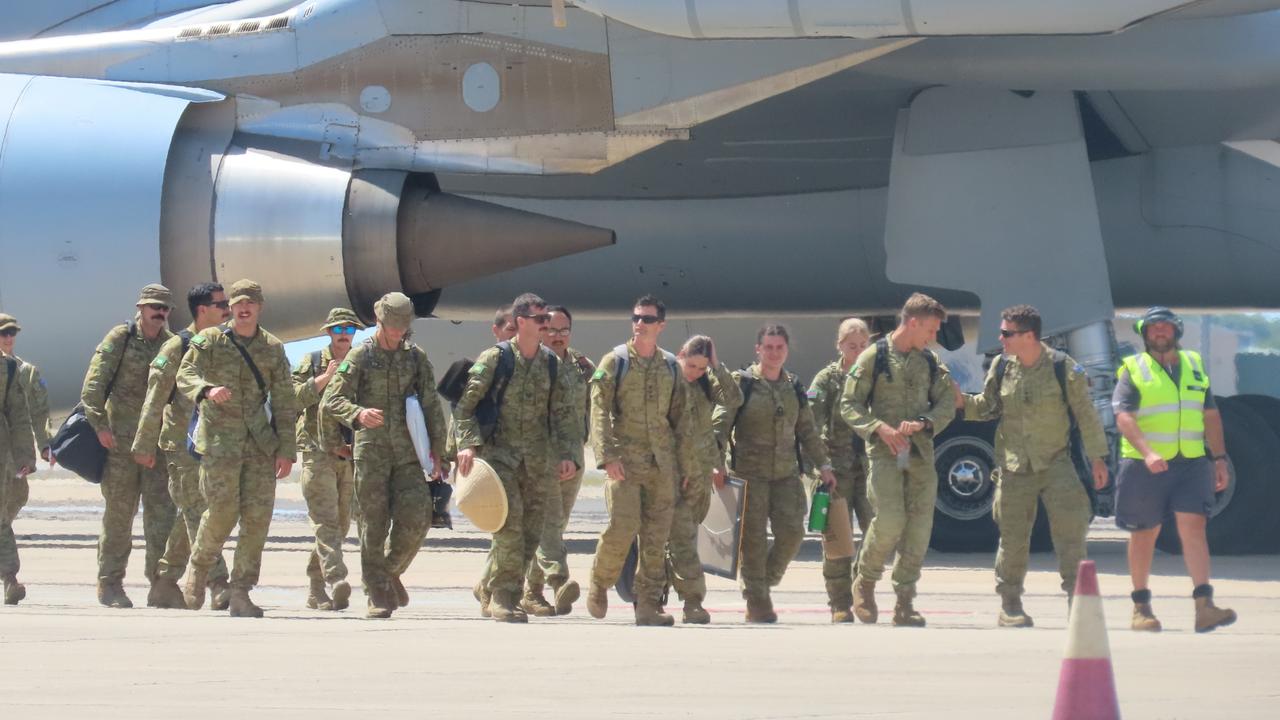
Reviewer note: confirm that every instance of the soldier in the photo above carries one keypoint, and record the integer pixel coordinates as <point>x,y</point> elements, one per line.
<point>504,327</point>
<point>114,390</point>
<point>897,398</point>
<point>17,450</point>
<point>1037,393</point>
<point>166,415</point>
<point>848,460</point>
<point>710,385</point>
<point>531,433</point>
<point>367,395</point>
<point>552,562</point>
<point>766,435</point>
<point>328,484</point>
<point>641,431</point>
<point>238,376</point>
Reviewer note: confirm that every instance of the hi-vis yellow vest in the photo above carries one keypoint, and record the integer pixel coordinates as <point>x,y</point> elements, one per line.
<point>1170,416</point>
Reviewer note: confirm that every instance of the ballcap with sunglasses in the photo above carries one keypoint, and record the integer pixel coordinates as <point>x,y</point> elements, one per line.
<point>9,325</point>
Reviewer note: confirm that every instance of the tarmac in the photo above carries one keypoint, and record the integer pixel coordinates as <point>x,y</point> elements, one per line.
<point>62,655</point>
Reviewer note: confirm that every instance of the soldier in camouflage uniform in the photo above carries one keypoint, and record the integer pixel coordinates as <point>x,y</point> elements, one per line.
<point>17,448</point>
<point>643,441</point>
<point>122,361</point>
<point>163,425</point>
<point>898,412</point>
<point>245,438</point>
<point>848,461</point>
<point>532,432</point>
<point>503,329</point>
<point>1033,450</point>
<point>766,435</point>
<point>328,482</point>
<point>368,395</point>
<point>710,385</point>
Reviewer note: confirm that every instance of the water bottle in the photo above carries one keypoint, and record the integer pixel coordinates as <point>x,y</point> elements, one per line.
<point>904,457</point>
<point>818,511</point>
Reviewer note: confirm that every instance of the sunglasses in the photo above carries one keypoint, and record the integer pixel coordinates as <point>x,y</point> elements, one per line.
<point>220,304</point>
<point>8,332</point>
<point>559,332</point>
<point>646,319</point>
<point>1011,333</point>
<point>343,330</point>
<point>540,318</point>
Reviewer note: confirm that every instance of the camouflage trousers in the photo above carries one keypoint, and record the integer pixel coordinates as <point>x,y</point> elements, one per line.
<point>184,489</point>
<point>124,483</point>
<point>903,499</point>
<point>13,496</point>
<point>328,486</point>
<point>684,567</point>
<point>642,506</point>
<point>239,490</point>
<point>395,504</point>
<point>1067,505</point>
<point>516,542</point>
<point>851,489</point>
<point>552,562</point>
<point>780,504</point>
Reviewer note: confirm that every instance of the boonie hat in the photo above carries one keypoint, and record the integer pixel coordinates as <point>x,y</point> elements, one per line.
<point>395,310</point>
<point>341,316</point>
<point>481,498</point>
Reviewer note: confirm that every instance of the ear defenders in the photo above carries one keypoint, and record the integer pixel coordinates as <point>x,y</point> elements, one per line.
<point>1159,313</point>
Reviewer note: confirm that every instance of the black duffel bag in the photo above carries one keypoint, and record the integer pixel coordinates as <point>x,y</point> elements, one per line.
<point>75,446</point>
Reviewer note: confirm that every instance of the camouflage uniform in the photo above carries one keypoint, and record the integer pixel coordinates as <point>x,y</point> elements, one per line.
<point>534,432</point>
<point>652,439</point>
<point>166,413</point>
<point>391,487</point>
<point>1033,452</point>
<point>850,467</point>
<point>903,497</point>
<point>694,499</point>
<point>16,489</point>
<point>16,450</point>
<point>124,481</point>
<point>238,443</point>
<point>764,432</point>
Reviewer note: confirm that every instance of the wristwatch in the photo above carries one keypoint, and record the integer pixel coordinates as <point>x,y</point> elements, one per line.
<point>1216,458</point>
<point>928,424</point>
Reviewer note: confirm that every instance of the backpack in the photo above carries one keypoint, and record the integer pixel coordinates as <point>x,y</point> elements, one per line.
<point>746,383</point>
<point>623,364</point>
<point>186,336</point>
<point>1075,443</point>
<point>454,384</point>
<point>8,383</point>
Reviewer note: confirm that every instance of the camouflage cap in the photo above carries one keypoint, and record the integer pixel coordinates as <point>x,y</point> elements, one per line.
<point>341,316</point>
<point>155,294</point>
<point>245,291</point>
<point>8,321</point>
<point>395,310</point>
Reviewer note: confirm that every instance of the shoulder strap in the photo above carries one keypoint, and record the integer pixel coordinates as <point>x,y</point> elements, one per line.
<point>1002,366</point>
<point>622,363</point>
<point>502,373</point>
<point>316,357</point>
<point>128,335</point>
<point>257,376</point>
<point>880,367</point>
<point>932,358</point>
<point>745,383</point>
<point>8,383</point>
<point>186,336</point>
<point>553,372</point>
<point>1060,372</point>
<point>802,397</point>
<point>705,383</point>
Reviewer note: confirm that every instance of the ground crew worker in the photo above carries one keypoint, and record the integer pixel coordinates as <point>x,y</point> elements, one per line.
<point>115,388</point>
<point>897,398</point>
<point>166,415</point>
<point>1167,415</point>
<point>1036,393</point>
<point>848,460</point>
<point>531,439</point>
<point>328,482</point>
<point>642,440</point>
<point>238,375</point>
<point>368,395</point>
<point>551,565</point>
<point>17,451</point>
<point>710,385</point>
<point>766,435</point>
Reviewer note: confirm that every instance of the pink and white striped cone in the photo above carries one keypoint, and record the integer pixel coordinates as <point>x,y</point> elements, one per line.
<point>1087,685</point>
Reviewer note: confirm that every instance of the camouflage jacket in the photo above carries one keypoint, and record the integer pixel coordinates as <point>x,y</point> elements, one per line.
<point>824,399</point>
<point>765,429</point>
<point>310,408</point>
<point>719,390</point>
<point>654,420</point>
<point>33,386</point>
<point>17,445</point>
<point>241,423</point>
<point>164,423</point>
<point>575,378</point>
<point>121,411</point>
<point>902,394</point>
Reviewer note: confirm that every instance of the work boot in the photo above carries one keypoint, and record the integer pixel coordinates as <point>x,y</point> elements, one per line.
<point>193,594</point>
<point>1012,614</point>
<point>503,607</point>
<point>566,595</point>
<point>14,591</point>
<point>111,594</point>
<point>241,605</point>
<point>482,596</point>
<point>535,604</point>
<point>597,600</point>
<point>341,595</point>
<point>1144,620</point>
<point>166,594</point>
<point>649,613</point>
<point>841,615</point>
<point>904,614</point>
<point>401,594</point>
<point>1209,616</point>
<point>694,613</point>
<point>219,594</point>
<point>317,598</point>
<point>760,610</point>
<point>864,601</point>
<point>380,605</point>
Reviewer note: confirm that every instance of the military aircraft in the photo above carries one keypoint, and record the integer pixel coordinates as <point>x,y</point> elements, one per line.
<point>740,157</point>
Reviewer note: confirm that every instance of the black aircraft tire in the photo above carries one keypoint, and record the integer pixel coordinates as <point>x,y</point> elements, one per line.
<point>1269,409</point>
<point>964,458</point>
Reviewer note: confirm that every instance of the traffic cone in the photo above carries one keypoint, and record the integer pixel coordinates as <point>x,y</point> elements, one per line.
<point>1087,685</point>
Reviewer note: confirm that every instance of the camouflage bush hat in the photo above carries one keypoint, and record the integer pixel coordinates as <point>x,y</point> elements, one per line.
<point>395,310</point>
<point>480,496</point>
<point>341,316</point>
<point>155,294</point>
<point>245,291</point>
<point>8,321</point>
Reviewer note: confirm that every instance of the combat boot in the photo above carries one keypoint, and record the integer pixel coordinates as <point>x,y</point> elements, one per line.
<point>694,613</point>
<point>760,610</point>
<point>904,613</point>
<point>341,595</point>
<point>1144,620</point>
<point>401,595</point>
<point>482,596</point>
<point>503,607</point>
<point>841,615</point>
<point>1208,615</point>
<point>649,613</point>
<point>317,597</point>
<point>598,600</point>
<point>219,594</point>
<point>1012,614</point>
<point>111,594</point>
<point>194,592</point>
<point>241,605</point>
<point>566,595</point>
<point>166,594</point>
<point>14,591</point>
<point>864,601</point>
<point>380,606</point>
<point>535,604</point>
